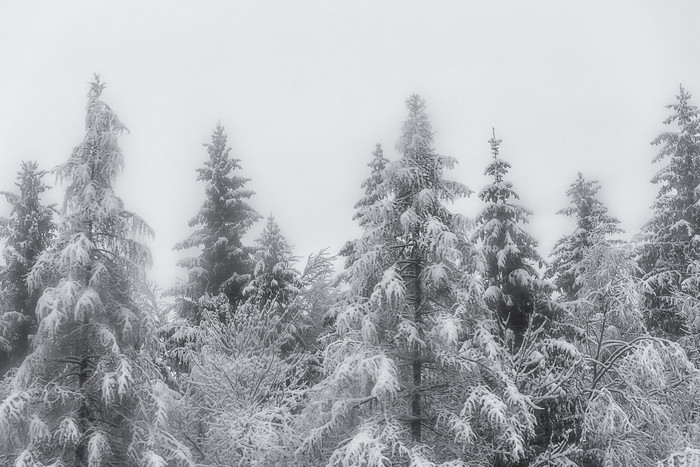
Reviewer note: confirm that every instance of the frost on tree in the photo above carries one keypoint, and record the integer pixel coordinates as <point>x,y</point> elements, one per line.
<point>630,387</point>
<point>512,281</point>
<point>593,226</point>
<point>88,393</point>
<point>275,282</point>
<point>27,232</point>
<point>374,191</point>
<point>245,384</point>
<point>223,264</point>
<point>414,374</point>
<point>672,235</point>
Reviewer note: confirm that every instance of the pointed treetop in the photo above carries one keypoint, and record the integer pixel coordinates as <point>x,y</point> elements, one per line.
<point>417,132</point>
<point>495,143</point>
<point>498,167</point>
<point>96,87</point>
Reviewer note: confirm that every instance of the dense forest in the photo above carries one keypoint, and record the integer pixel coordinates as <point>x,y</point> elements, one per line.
<point>443,341</point>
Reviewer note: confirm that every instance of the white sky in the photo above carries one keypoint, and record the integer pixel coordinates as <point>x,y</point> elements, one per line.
<point>306,88</point>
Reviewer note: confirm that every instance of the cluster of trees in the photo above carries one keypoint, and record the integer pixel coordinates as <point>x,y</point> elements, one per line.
<point>444,340</point>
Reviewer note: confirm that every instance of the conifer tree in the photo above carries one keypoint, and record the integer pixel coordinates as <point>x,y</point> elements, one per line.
<point>374,191</point>
<point>27,232</point>
<point>88,393</point>
<point>593,225</point>
<point>223,264</point>
<point>672,235</point>
<point>404,363</point>
<point>275,283</point>
<point>372,187</point>
<point>509,250</point>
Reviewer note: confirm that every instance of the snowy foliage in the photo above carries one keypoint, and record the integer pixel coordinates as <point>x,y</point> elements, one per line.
<point>223,264</point>
<point>670,237</point>
<point>88,383</point>
<point>593,225</point>
<point>514,290</point>
<point>27,232</point>
<point>439,345</point>
<point>400,365</point>
<point>275,283</point>
<point>632,387</point>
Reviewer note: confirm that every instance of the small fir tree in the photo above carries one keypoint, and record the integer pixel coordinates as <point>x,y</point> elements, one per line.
<point>223,264</point>
<point>275,283</point>
<point>672,235</point>
<point>88,394</point>
<point>512,281</point>
<point>372,187</point>
<point>27,232</point>
<point>593,225</point>
<point>374,192</point>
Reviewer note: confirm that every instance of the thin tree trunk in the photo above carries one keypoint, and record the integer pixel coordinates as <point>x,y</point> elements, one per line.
<point>414,298</point>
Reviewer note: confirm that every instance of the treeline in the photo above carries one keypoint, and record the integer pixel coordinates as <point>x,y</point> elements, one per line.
<point>443,341</point>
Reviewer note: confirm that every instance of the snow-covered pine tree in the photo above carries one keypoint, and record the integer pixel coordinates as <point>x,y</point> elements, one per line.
<point>512,280</point>
<point>88,394</point>
<point>223,264</point>
<point>374,191</point>
<point>593,225</point>
<point>27,232</point>
<point>275,282</point>
<point>413,374</point>
<point>672,235</point>
<point>372,187</point>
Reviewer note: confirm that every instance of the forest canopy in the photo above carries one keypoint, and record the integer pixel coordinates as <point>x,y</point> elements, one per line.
<point>443,340</point>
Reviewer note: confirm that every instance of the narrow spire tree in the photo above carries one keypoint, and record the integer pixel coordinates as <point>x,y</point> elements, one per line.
<point>88,394</point>
<point>372,187</point>
<point>672,235</point>
<point>374,192</point>
<point>509,250</point>
<point>593,226</point>
<point>223,264</point>
<point>27,232</point>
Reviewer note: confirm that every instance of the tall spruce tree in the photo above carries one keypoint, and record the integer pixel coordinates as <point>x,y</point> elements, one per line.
<point>403,364</point>
<point>672,235</point>
<point>593,225</point>
<point>223,264</point>
<point>27,232</point>
<point>88,393</point>
<point>512,281</point>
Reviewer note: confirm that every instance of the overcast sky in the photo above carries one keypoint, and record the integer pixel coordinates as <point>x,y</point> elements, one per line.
<point>306,88</point>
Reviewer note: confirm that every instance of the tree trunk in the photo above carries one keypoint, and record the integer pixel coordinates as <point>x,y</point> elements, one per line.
<point>414,298</point>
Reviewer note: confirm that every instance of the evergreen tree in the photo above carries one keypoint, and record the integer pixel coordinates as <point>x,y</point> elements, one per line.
<point>223,264</point>
<point>372,187</point>
<point>27,232</point>
<point>510,252</point>
<point>672,235</point>
<point>275,283</point>
<point>375,191</point>
<point>593,225</point>
<point>413,371</point>
<point>88,394</point>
